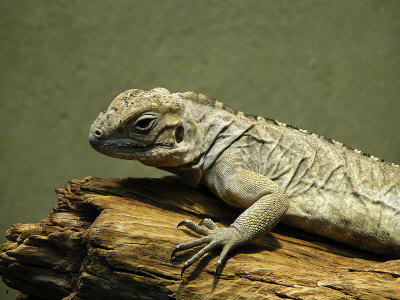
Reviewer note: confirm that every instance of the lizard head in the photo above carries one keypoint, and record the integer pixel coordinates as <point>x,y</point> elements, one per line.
<point>150,126</point>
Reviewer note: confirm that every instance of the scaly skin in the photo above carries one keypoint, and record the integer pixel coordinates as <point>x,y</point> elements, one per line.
<point>271,170</point>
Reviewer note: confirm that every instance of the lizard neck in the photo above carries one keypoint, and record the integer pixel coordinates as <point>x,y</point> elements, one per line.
<point>217,127</point>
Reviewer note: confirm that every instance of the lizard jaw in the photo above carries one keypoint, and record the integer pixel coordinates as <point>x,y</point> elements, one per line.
<point>125,149</point>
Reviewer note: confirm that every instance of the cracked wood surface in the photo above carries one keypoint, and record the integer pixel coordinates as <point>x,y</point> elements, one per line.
<point>112,238</point>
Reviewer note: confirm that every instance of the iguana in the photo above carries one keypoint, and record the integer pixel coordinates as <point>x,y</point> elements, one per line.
<point>272,170</point>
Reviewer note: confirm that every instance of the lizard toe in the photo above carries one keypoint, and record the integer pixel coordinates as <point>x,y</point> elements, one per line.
<point>191,244</point>
<point>196,228</point>
<point>198,255</point>
<point>208,223</point>
<point>222,258</point>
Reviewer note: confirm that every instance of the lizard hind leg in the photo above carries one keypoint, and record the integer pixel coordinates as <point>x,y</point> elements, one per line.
<point>227,238</point>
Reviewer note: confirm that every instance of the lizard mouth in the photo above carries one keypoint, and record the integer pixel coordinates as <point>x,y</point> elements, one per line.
<point>128,150</point>
<point>116,145</point>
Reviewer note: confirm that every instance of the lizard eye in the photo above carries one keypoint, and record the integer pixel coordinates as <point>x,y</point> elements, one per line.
<point>144,123</point>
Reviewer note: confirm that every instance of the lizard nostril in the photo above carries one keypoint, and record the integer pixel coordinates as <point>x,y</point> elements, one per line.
<point>98,133</point>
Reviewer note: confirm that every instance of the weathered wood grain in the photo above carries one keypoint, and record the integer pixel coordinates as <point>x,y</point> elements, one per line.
<point>112,239</point>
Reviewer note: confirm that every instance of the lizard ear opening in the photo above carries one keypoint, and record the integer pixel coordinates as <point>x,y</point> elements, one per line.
<point>179,134</point>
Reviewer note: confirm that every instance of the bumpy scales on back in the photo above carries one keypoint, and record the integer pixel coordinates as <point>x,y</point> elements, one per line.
<point>275,172</point>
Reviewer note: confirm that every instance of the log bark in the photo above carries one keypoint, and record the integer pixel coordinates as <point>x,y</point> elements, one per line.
<point>112,238</point>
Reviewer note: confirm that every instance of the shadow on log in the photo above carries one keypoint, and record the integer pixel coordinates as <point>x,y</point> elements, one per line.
<point>112,239</point>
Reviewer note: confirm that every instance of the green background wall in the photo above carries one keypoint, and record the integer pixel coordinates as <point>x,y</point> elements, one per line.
<point>331,67</point>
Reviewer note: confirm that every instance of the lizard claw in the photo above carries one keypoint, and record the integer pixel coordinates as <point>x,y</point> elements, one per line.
<point>227,238</point>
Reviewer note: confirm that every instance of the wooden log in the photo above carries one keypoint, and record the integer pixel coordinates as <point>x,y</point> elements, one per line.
<point>112,239</point>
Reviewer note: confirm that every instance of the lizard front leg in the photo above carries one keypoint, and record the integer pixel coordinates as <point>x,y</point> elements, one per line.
<point>266,204</point>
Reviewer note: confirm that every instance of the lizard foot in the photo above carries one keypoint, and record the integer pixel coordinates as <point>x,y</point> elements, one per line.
<point>227,238</point>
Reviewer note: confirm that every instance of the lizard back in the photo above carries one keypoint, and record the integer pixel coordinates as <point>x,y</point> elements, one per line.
<point>333,190</point>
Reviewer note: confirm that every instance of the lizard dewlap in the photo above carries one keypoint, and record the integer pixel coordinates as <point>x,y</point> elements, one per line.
<point>274,171</point>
